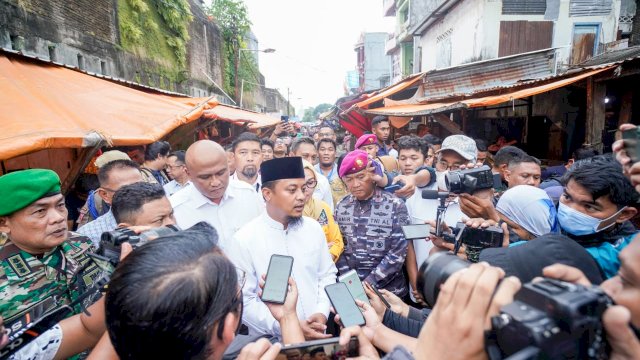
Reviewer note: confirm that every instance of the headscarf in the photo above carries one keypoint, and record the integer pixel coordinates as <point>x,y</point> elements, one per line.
<point>529,207</point>
<point>313,207</point>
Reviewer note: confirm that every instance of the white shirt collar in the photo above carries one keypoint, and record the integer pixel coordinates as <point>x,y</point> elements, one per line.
<point>200,200</point>
<point>270,222</point>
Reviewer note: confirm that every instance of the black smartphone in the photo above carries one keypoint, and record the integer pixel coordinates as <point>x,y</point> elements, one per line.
<point>330,348</point>
<point>630,141</point>
<point>276,283</point>
<point>343,303</point>
<point>416,231</point>
<point>384,301</point>
<point>284,118</point>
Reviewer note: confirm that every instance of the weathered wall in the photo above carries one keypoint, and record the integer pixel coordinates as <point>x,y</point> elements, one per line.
<point>85,34</point>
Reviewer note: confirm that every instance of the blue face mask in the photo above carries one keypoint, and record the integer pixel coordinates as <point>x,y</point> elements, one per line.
<point>576,223</point>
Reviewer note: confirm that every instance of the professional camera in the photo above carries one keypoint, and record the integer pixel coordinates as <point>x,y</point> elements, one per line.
<point>111,241</point>
<point>475,239</point>
<point>549,319</point>
<point>469,181</point>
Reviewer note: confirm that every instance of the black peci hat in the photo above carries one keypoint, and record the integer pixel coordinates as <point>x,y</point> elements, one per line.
<point>282,168</point>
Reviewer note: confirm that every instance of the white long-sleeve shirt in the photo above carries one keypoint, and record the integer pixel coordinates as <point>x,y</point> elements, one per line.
<point>313,269</point>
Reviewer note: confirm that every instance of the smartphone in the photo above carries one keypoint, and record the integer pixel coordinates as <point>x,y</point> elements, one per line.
<point>284,118</point>
<point>416,231</point>
<point>394,187</point>
<point>276,283</point>
<point>316,348</point>
<point>344,304</point>
<point>352,280</point>
<point>384,301</point>
<point>630,141</point>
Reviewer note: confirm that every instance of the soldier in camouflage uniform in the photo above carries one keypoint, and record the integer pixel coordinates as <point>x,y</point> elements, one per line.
<point>371,223</point>
<point>42,267</point>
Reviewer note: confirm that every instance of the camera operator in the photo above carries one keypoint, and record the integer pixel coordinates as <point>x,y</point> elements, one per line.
<point>624,289</point>
<point>142,205</point>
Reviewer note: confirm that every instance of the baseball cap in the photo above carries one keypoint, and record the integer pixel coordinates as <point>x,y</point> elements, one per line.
<point>526,261</point>
<point>463,145</point>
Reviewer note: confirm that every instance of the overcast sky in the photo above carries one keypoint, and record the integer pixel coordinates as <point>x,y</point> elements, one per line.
<point>314,43</point>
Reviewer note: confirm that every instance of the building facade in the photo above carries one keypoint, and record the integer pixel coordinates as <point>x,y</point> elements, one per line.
<point>373,63</point>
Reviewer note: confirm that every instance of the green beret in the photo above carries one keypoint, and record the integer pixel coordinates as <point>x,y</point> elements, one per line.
<point>20,189</point>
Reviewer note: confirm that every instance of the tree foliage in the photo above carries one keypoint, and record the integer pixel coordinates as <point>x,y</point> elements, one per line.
<point>311,114</point>
<point>233,19</point>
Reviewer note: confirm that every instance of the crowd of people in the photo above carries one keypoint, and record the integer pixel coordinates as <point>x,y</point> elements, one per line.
<point>195,290</point>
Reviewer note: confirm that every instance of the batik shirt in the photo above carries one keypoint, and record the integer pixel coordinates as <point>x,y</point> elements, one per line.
<point>374,243</point>
<point>27,281</point>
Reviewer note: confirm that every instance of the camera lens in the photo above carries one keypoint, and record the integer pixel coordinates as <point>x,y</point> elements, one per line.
<point>453,180</point>
<point>435,271</point>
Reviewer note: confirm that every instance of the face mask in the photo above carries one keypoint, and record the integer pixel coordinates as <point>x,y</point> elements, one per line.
<point>576,223</point>
<point>440,180</point>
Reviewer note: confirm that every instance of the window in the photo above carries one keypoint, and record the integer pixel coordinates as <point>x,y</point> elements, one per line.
<point>524,7</point>
<point>517,37</point>
<point>585,42</point>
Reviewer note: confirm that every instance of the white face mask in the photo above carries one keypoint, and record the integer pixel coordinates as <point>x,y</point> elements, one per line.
<point>440,180</point>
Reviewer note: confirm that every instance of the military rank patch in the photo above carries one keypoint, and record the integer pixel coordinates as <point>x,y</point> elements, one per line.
<point>19,265</point>
<point>323,219</point>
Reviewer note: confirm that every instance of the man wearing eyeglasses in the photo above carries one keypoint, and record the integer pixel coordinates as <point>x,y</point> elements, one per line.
<point>177,170</point>
<point>282,230</point>
<point>112,177</point>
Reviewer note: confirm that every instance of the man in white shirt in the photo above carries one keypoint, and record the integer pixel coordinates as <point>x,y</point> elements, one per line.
<point>306,149</point>
<point>225,204</point>
<point>283,230</point>
<point>247,157</point>
<point>177,170</point>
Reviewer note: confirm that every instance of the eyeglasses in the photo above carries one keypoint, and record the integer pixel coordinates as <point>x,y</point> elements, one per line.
<point>442,165</point>
<point>311,184</point>
<point>241,275</point>
<point>170,167</point>
<point>325,135</point>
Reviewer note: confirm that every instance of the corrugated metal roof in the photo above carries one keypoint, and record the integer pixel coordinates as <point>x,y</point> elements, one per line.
<point>485,75</point>
<point>590,7</point>
<point>611,57</point>
<point>524,7</point>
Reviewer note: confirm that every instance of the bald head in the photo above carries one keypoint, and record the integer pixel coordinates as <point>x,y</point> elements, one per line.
<point>207,167</point>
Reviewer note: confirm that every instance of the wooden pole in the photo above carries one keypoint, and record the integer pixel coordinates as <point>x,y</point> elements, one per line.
<point>596,92</point>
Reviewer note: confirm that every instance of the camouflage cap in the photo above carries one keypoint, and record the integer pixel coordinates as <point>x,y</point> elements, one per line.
<point>20,189</point>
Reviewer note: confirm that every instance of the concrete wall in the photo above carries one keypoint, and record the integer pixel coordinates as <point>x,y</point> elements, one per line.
<point>376,62</point>
<point>85,34</point>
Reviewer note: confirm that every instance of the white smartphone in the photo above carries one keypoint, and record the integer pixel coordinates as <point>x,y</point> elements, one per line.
<point>416,231</point>
<point>352,280</point>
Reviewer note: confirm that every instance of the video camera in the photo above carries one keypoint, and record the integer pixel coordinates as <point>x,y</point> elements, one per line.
<point>469,181</point>
<point>111,241</point>
<point>475,239</point>
<point>548,319</point>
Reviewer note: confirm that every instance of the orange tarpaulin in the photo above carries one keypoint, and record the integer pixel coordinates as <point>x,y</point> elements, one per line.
<point>239,116</point>
<point>425,109</point>
<point>390,90</point>
<point>49,106</point>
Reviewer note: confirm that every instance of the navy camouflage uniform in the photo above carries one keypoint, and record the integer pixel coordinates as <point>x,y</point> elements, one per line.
<point>374,242</point>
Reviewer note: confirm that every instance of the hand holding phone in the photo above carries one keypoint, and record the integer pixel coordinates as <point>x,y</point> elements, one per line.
<point>378,294</point>
<point>276,284</point>
<point>631,144</point>
<point>344,304</point>
<point>416,231</point>
<point>394,187</point>
<point>352,280</point>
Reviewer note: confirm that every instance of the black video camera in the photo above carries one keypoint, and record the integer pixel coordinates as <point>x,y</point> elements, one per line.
<point>549,319</point>
<point>475,239</point>
<point>111,241</point>
<point>469,181</point>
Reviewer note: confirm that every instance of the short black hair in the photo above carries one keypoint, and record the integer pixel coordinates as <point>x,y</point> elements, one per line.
<point>267,142</point>
<point>506,154</point>
<point>165,298</point>
<point>378,119</point>
<point>584,152</point>
<point>129,199</point>
<point>412,142</point>
<point>524,159</point>
<point>327,140</point>
<point>179,154</point>
<point>105,171</point>
<point>432,139</point>
<point>602,175</point>
<point>244,137</point>
<point>481,145</point>
<point>156,149</point>
<point>303,140</point>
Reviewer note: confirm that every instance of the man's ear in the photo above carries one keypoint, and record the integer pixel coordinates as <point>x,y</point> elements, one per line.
<point>507,175</point>
<point>4,224</point>
<point>570,162</point>
<point>103,194</point>
<point>230,325</point>
<point>123,225</point>
<point>267,194</point>
<point>627,214</point>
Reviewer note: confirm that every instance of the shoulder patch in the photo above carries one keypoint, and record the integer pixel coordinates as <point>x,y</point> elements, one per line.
<point>323,218</point>
<point>19,265</point>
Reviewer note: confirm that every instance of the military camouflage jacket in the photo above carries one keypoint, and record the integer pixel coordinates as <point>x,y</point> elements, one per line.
<point>374,242</point>
<point>27,280</point>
